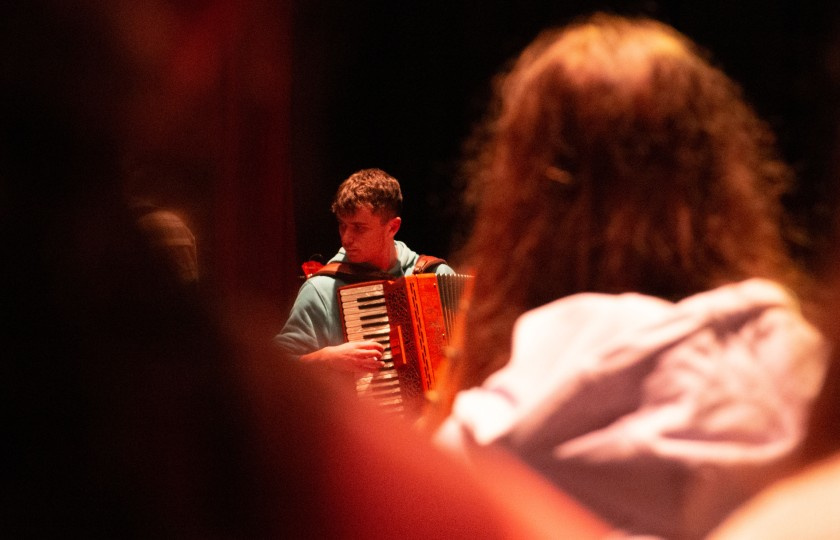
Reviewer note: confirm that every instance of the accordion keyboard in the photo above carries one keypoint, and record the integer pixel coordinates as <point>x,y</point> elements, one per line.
<point>366,318</point>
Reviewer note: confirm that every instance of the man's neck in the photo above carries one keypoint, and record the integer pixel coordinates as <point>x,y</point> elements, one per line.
<point>388,262</point>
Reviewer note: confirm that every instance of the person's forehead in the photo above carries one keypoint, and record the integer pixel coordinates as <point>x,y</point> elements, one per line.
<point>363,215</point>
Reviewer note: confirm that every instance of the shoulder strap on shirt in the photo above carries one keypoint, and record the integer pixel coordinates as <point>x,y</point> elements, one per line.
<point>426,264</point>
<point>357,273</point>
<point>352,273</point>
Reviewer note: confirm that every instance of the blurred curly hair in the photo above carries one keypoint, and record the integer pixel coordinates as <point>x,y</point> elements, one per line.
<point>615,158</point>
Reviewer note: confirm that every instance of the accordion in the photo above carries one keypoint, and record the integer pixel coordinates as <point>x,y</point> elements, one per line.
<point>412,317</point>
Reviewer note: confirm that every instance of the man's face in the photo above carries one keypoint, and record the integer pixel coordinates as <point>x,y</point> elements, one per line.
<point>368,237</point>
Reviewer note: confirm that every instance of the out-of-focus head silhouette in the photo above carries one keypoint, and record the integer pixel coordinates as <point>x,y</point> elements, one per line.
<point>616,158</point>
<point>103,342</point>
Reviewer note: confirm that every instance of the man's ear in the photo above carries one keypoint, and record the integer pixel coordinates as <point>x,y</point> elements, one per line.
<point>394,225</point>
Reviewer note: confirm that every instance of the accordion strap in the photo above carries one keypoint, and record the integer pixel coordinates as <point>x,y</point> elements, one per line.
<point>351,273</point>
<point>427,263</point>
<point>358,273</point>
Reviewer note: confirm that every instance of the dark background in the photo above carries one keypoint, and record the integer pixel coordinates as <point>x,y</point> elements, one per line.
<point>252,112</point>
<point>398,85</point>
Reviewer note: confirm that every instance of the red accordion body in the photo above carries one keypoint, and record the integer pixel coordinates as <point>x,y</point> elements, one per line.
<point>412,318</point>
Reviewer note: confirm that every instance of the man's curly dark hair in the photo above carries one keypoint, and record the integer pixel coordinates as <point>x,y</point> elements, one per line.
<point>369,187</point>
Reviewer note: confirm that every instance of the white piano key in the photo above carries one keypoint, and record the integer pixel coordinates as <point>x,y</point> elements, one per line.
<point>357,312</point>
<point>368,291</point>
<point>351,326</point>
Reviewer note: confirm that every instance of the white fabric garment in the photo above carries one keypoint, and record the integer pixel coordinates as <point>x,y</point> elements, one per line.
<point>660,416</point>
